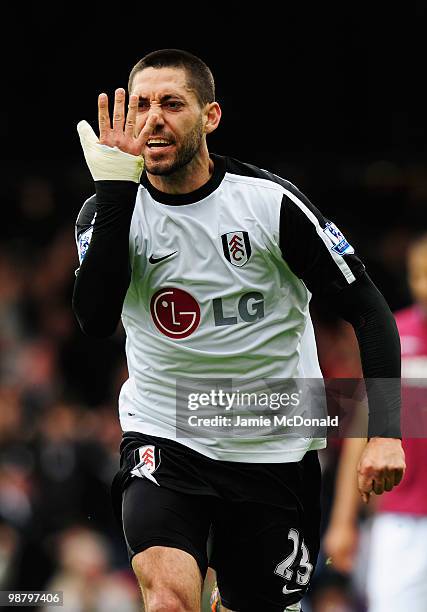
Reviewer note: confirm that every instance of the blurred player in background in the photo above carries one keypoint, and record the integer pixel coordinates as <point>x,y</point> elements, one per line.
<point>211,264</point>
<point>397,569</point>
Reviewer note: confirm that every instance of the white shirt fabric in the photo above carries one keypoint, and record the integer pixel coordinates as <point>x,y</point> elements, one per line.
<point>177,248</point>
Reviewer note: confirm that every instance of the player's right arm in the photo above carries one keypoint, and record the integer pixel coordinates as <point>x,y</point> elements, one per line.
<point>116,165</point>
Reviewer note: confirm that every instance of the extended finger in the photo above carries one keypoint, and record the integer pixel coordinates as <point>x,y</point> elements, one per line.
<point>119,114</point>
<point>131,116</point>
<point>103,118</point>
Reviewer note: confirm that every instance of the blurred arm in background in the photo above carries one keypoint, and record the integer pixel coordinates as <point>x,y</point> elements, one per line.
<point>340,540</point>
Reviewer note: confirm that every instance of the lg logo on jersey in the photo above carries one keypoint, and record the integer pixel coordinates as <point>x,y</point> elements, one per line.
<point>176,313</point>
<point>250,308</point>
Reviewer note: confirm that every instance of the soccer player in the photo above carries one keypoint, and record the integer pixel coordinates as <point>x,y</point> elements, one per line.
<point>397,551</point>
<point>211,263</point>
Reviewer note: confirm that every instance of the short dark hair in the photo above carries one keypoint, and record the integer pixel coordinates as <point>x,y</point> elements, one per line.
<point>199,76</point>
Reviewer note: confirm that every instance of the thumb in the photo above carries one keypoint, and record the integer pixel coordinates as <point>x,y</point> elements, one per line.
<point>365,487</point>
<point>86,133</point>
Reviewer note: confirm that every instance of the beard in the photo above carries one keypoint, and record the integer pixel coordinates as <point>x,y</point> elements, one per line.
<point>183,155</point>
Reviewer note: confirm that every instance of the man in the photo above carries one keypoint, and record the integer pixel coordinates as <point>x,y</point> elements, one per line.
<point>210,263</point>
<point>397,551</point>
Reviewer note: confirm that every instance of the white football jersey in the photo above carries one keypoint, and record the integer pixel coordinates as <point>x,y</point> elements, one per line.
<point>220,290</point>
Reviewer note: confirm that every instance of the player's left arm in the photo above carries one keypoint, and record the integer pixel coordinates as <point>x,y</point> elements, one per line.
<point>318,253</point>
<point>382,463</point>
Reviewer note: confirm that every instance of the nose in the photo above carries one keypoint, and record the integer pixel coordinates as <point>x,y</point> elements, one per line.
<point>156,110</point>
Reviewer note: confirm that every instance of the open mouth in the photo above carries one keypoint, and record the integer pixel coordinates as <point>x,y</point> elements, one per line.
<point>158,143</point>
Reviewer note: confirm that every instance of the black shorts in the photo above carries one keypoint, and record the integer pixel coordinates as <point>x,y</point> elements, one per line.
<point>257,525</point>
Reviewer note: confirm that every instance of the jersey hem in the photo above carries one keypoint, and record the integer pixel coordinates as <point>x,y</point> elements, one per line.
<point>257,456</point>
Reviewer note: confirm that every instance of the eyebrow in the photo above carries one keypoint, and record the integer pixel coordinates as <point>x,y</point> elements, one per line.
<point>164,98</point>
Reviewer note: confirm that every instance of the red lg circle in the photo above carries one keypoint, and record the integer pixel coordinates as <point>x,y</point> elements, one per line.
<point>175,312</point>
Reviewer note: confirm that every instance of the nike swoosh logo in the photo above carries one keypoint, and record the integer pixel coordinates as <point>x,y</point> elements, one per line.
<point>287,591</point>
<point>154,260</point>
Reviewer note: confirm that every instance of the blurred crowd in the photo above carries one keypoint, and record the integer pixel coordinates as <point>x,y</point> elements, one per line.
<point>59,431</point>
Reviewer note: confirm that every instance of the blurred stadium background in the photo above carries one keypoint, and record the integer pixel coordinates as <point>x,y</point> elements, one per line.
<point>336,106</point>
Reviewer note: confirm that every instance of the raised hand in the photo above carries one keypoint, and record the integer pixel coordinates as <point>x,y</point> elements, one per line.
<point>116,155</point>
<point>122,133</point>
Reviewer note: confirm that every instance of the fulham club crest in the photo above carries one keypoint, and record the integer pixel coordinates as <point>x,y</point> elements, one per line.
<point>149,456</point>
<point>237,247</point>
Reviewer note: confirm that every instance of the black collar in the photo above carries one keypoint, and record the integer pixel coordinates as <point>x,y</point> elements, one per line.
<point>194,196</point>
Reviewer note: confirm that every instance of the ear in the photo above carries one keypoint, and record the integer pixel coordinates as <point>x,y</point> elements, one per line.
<point>211,117</point>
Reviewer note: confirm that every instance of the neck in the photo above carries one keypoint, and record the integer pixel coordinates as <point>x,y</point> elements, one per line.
<point>187,179</point>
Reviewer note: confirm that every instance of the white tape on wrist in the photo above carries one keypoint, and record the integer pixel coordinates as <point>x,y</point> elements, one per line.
<point>108,163</point>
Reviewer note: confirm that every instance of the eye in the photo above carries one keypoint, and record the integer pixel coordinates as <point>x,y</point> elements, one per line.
<point>143,105</point>
<point>173,105</point>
